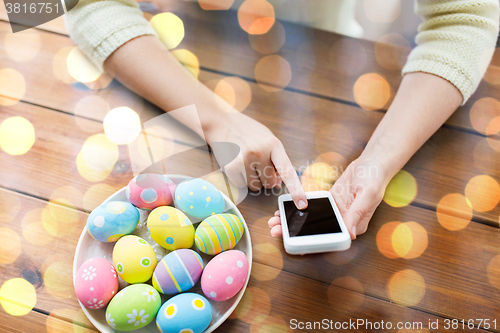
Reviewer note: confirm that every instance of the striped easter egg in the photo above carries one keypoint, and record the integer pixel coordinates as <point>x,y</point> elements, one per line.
<point>218,233</point>
<point>177,272</point>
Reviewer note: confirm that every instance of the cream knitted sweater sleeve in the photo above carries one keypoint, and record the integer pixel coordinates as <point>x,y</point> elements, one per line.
<point>99,27</point>
<point>456,41</point>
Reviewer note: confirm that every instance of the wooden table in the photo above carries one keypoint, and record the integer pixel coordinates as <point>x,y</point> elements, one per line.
<point>434,274</point>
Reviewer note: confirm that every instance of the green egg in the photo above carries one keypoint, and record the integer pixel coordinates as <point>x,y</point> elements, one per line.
<point>133,307</point>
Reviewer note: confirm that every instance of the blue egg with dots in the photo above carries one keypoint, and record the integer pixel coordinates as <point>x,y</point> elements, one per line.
<point>187,312</point>
<point>199,198</point>
<point>112,220</point>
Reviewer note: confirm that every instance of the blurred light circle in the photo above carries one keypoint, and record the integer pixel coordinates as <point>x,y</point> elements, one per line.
<point>273,73</point>
<point>96,195</point>
<point>493,272</point>
<point>220,180</point>
<point>235,91</point>
<point>80,67</point>
<point>17,135</point>
<point>371,91</point>
<point>271,41</point>
<point>454,211</point>
<point>17,297</point>
<point>10,205</point>
<point>33,228</point>
<point>59,221</point>
<point>384,239</point>
<point>10,247</point>
<point>189,60</point>
<point>348,57</point>
<point>392,50</point>
<point>256,16</point>
<point>23,45</point>
<point>268,262</point>
<point>406,288</point>
<point>169,28</point>
<point>122,125</point>
<point>60,67</point>
<point>484,116</point>
<point>402,239</point>
<point>494,143</point>
<point>215,4</point>
<point>94,107</point>
<point>419,240</point>
<point>483,193</point>
<point>402,189</point>
<point>58,280</point>
<point>385,11</point>
<point>347,291</point>
<point>321,174</point>
<point>12,86</point>
<point>97,158</point>
<point>254,303</point>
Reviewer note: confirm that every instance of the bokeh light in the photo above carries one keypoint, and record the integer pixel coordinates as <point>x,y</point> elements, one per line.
<point>371,91</point>
<point>33,228</point>
<point>122,125</point>
<point>384,239</point>
<point>189,60</point>
<point>60,67</point>
<point>80,67</point>
<point>23,45</point>
<point>271,41</point>
<point>267,262</point>
<point>270,324</point>
<point>486,155</point>
<point>386,11</point>
<point>10,205</point>
<point>319,176</point>
<point>484,116</point>
<point>235,91</point>
<point>59,221</point>
<point>97,158</point>
<point>169,28</point>
<point>454,211</point>
<point>219,180</point>
<point>493,272</point>
<point>94,107</point>
<point>96,195</point>
<point>10,247</point>
<point>254,303</point>
<point>17,297</point>
<point>402,189</point>
<point>334,133</point>
<point>493,143</point>
<point>215,4</point>
<point>273,73</point>
<point>483,193</point>
<point>17,135</point>
<point>256,16</point>
<point>58,279</point>
<point>392,51</point>
<point>67,320</point>
<point>348,291</point>
<point>406,288</point>
<point>402,240</point>
<point>348,57</point>
<point>12,86</point>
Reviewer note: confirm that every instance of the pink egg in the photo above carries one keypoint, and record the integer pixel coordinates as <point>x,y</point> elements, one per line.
<point>96,283</point>
<point>150,190</point>
<point>225,275</point>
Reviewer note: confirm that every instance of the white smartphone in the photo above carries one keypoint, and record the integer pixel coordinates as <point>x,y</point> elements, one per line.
<point>318,228</point>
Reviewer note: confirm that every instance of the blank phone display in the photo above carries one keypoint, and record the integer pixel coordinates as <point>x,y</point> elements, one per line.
<point>318,218</point>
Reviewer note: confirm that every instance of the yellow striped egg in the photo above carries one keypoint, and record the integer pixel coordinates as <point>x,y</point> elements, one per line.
<point>218,233</point>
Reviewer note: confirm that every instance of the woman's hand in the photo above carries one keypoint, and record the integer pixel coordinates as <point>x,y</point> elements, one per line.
<point>357,193</point>
<point>262,161</point>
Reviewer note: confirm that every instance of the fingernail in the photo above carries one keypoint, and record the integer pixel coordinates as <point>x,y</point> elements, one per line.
<point>273,235</point>
<point>354,230</point>
<point>302,204</point>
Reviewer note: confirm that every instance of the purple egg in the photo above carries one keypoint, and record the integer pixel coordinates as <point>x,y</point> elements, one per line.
<point>177,272</point>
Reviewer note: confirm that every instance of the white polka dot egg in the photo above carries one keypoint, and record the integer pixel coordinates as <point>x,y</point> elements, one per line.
<point>150,190</point>
<point>112,220</point>
<point>225,275</point>
<point>199,198</point>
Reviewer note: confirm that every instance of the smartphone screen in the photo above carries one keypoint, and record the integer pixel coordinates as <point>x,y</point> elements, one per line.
<point>318,218</point>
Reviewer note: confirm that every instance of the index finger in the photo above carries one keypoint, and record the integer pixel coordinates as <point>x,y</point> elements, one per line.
<point>289,176</point>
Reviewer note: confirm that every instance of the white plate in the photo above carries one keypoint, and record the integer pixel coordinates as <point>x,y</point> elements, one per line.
<point>88,248</point>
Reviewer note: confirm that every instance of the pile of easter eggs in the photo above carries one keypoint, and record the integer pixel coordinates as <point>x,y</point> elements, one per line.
<point>173,222</point>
